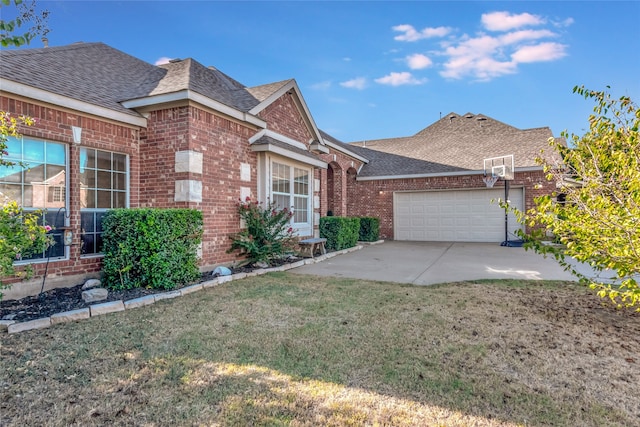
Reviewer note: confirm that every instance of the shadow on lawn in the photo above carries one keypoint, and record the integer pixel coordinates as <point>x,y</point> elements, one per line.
<point>274,351</point>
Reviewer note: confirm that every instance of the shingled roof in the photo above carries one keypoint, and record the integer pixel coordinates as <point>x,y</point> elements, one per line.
<point>101,75</point>
<point>90,72</point>
<point>455,143</point>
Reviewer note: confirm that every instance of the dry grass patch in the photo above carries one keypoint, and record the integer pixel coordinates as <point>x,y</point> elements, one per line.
<point>286,349</point>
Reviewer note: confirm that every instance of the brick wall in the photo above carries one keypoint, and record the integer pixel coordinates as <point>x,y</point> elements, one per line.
<point>55,125</point>
<point>283,117</point>
<point>335,182</point>
<point>224,146</point>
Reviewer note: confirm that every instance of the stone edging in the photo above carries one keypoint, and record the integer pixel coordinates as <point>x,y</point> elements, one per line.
<point>93,310</point>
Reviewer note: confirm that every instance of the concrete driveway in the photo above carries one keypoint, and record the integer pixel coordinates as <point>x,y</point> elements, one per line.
<point>426,263</point>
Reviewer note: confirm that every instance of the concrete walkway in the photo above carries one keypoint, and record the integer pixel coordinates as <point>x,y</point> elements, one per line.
<point>426,263</point>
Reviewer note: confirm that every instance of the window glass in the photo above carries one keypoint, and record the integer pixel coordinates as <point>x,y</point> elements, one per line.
<point>38,183</point>
<point>290,189</point>
<point>103,186</point>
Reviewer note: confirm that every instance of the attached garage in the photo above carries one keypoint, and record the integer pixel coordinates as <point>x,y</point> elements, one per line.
<point>454,215</point>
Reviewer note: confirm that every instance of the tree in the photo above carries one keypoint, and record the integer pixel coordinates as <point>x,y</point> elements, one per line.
<point>26,14</point>
<point>20,234</point>
<point>595,213</point>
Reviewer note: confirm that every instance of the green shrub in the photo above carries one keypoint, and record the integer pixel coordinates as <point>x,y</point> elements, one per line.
<point>267,235</point>
<point>154,248</point>
<point>340,232</point>
<point>369,229</point>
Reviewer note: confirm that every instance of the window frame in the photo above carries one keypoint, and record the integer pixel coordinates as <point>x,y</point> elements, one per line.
<point>44,211</point>
<point>97,230</point>
<point>300,228</point>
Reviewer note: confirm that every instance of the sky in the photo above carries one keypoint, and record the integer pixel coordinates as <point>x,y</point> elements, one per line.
<point>372,70</point>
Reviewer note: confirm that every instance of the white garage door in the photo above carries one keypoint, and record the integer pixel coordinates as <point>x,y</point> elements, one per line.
<point>454,216</point>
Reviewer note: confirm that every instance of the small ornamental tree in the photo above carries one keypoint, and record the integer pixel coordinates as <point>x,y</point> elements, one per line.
<point>20,237</point>
<point>597,216</point>
<point>267,234</point>
<point>20,234</point>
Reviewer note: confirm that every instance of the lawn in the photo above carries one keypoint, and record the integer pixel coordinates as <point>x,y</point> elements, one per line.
<point>287,349</point>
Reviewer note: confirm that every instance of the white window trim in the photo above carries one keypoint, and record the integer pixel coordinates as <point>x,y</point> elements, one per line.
<point>67,222</point>
<point>265,189</point>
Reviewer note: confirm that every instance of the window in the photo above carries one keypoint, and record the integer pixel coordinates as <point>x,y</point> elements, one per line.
<point>103,186</point>
<point>39,185</point>
<point>290,189</point>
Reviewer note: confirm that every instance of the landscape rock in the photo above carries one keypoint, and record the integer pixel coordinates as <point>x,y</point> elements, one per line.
<point>95,294</point>
<point>221,271</point>
<point>90,284</point>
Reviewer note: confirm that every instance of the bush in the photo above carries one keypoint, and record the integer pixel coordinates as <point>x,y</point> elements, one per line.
<point>369,229</point>
<point>340,232</point>
<point>267,234</point>
<point>154,248</point>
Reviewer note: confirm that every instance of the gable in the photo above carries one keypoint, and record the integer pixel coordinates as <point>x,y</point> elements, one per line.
<point>284,117</point>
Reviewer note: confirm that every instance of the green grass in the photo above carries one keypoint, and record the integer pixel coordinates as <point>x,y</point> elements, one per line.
<point>286,349</point>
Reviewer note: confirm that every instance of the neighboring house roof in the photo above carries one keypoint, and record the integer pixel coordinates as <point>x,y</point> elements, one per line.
<point>456,143</point>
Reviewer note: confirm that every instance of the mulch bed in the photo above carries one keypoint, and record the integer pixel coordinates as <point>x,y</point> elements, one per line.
<point>66,299</point>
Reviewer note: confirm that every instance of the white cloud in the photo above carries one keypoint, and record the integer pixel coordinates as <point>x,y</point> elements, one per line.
<point>346,59</point>
<point>412,35</point>
<point>505,21</point>
<point>481,68</point>
<point>485,55</point>
<point>418,61</point>
<point>400,79</point>
<point>321,85</point>
<point>524,35</point>
<point>540,53</point>
<point>162,60</point>
<point>357,83</point>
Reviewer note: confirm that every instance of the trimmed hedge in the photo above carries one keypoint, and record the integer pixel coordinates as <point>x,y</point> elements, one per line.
<point>340,232</point>
<point>369,229</point>
<point>154,248</point>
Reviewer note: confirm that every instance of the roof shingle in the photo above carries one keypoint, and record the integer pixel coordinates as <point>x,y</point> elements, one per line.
<point>460,142</point>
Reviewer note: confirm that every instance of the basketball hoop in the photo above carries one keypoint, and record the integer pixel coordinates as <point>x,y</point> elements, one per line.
<point>489,180</point>
<point>500,167</point>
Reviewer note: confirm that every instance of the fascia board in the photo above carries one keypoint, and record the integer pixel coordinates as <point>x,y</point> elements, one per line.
<point>319,147</point>
<point>441,174</point>
<point>347,152</point>
<point>277,136</point>
<point>189,95</point>
<point>70,103</point>
<point>289,155</point>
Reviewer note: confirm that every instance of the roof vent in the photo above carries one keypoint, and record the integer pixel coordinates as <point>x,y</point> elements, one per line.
<point>469,116</point>
<point>451,118</point>
<point>481,119</point>
<point>174,60</point>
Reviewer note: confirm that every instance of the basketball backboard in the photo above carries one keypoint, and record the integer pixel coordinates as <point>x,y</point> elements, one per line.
<point>501,167</point>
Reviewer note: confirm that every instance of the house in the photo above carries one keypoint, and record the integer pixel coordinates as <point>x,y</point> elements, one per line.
<point>114,131</point>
